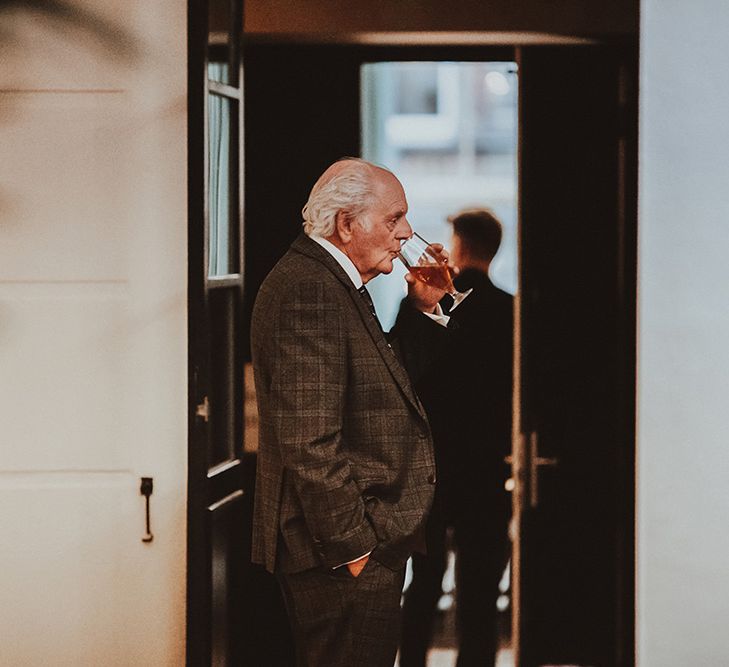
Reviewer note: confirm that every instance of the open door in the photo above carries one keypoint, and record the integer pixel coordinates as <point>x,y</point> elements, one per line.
<point>573,444</point>
<point>218,498</point>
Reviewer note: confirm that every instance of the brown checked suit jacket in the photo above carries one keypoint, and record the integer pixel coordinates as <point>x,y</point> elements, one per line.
<point>345,462</point>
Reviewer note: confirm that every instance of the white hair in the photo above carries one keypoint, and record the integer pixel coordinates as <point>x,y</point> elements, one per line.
<point>351,188</point>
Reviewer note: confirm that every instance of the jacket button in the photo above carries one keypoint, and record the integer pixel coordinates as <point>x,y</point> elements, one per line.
<point>431,478</point>
<point>422,435</point>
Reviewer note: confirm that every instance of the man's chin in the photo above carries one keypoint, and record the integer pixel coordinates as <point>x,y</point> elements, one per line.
<point>385,267</point>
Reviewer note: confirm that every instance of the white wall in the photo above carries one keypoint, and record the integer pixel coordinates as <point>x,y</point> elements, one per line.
<point>683,369</point>
<point>93,346</point>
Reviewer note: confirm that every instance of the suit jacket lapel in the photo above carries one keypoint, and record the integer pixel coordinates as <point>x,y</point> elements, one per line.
<point>388,354</point>
<point>306,246</point>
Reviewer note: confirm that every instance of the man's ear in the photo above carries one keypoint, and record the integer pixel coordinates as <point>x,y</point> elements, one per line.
<point>343,223</point>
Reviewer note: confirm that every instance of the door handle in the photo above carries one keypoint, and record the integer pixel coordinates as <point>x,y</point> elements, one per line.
<point>145,489</point>
<point>203,410</point>
<point>535,462</point>
<point>510,482</point>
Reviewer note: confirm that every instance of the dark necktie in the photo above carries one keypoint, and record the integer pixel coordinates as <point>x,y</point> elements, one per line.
<point>368,300</point>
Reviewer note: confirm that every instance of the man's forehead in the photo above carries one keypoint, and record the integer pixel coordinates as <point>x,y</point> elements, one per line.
<point>389,190</point>
<point>386,178</point>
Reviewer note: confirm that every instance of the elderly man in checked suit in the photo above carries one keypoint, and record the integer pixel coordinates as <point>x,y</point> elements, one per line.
<point>346,471</point>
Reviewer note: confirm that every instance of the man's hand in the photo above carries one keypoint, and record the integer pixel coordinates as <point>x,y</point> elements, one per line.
<point>358,565</point>
<point>425,297</point>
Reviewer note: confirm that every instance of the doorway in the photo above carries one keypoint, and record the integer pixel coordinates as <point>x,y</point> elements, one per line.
<point>575,302</point>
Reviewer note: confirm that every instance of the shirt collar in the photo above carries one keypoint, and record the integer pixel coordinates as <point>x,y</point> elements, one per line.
<point>349,268</point>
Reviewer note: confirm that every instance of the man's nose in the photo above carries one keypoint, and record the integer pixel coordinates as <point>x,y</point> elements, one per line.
<point>405,230</point>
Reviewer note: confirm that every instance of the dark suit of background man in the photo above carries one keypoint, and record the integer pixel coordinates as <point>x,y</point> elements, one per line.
<point>467,396</point>
<point>346,470</point>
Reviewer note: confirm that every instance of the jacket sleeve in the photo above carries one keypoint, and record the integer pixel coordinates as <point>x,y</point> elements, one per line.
<point>308,392</point>
<point>421,341</point>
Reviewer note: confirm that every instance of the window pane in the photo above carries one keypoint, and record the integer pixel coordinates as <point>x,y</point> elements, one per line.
<point>229,599</point>
<point>448,131</point>
<point>225,399</point>
<point>219,190</point>
<point>417,87</point>
<point>219,71</point>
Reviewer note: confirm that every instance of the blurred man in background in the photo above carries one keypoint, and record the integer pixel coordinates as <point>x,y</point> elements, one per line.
<point>467,395</point>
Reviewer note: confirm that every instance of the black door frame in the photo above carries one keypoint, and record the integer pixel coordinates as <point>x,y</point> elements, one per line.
<point>217,493</point>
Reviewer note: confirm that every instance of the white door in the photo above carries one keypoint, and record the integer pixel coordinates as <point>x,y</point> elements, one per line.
<point>93,347</point>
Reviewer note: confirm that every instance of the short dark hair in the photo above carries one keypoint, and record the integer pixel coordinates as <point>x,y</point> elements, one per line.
<point>480,231</point>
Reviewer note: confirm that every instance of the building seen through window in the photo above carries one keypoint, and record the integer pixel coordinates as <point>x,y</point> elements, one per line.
<point>449,132</point>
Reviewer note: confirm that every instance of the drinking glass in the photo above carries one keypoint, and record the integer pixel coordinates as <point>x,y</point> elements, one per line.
<point>427,266</point>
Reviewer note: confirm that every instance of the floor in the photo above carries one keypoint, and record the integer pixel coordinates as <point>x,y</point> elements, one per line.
<point>446,657</point>
<point>443,653</point>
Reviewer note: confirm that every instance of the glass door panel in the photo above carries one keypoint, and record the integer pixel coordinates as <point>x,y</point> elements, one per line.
<point>220,192</point>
